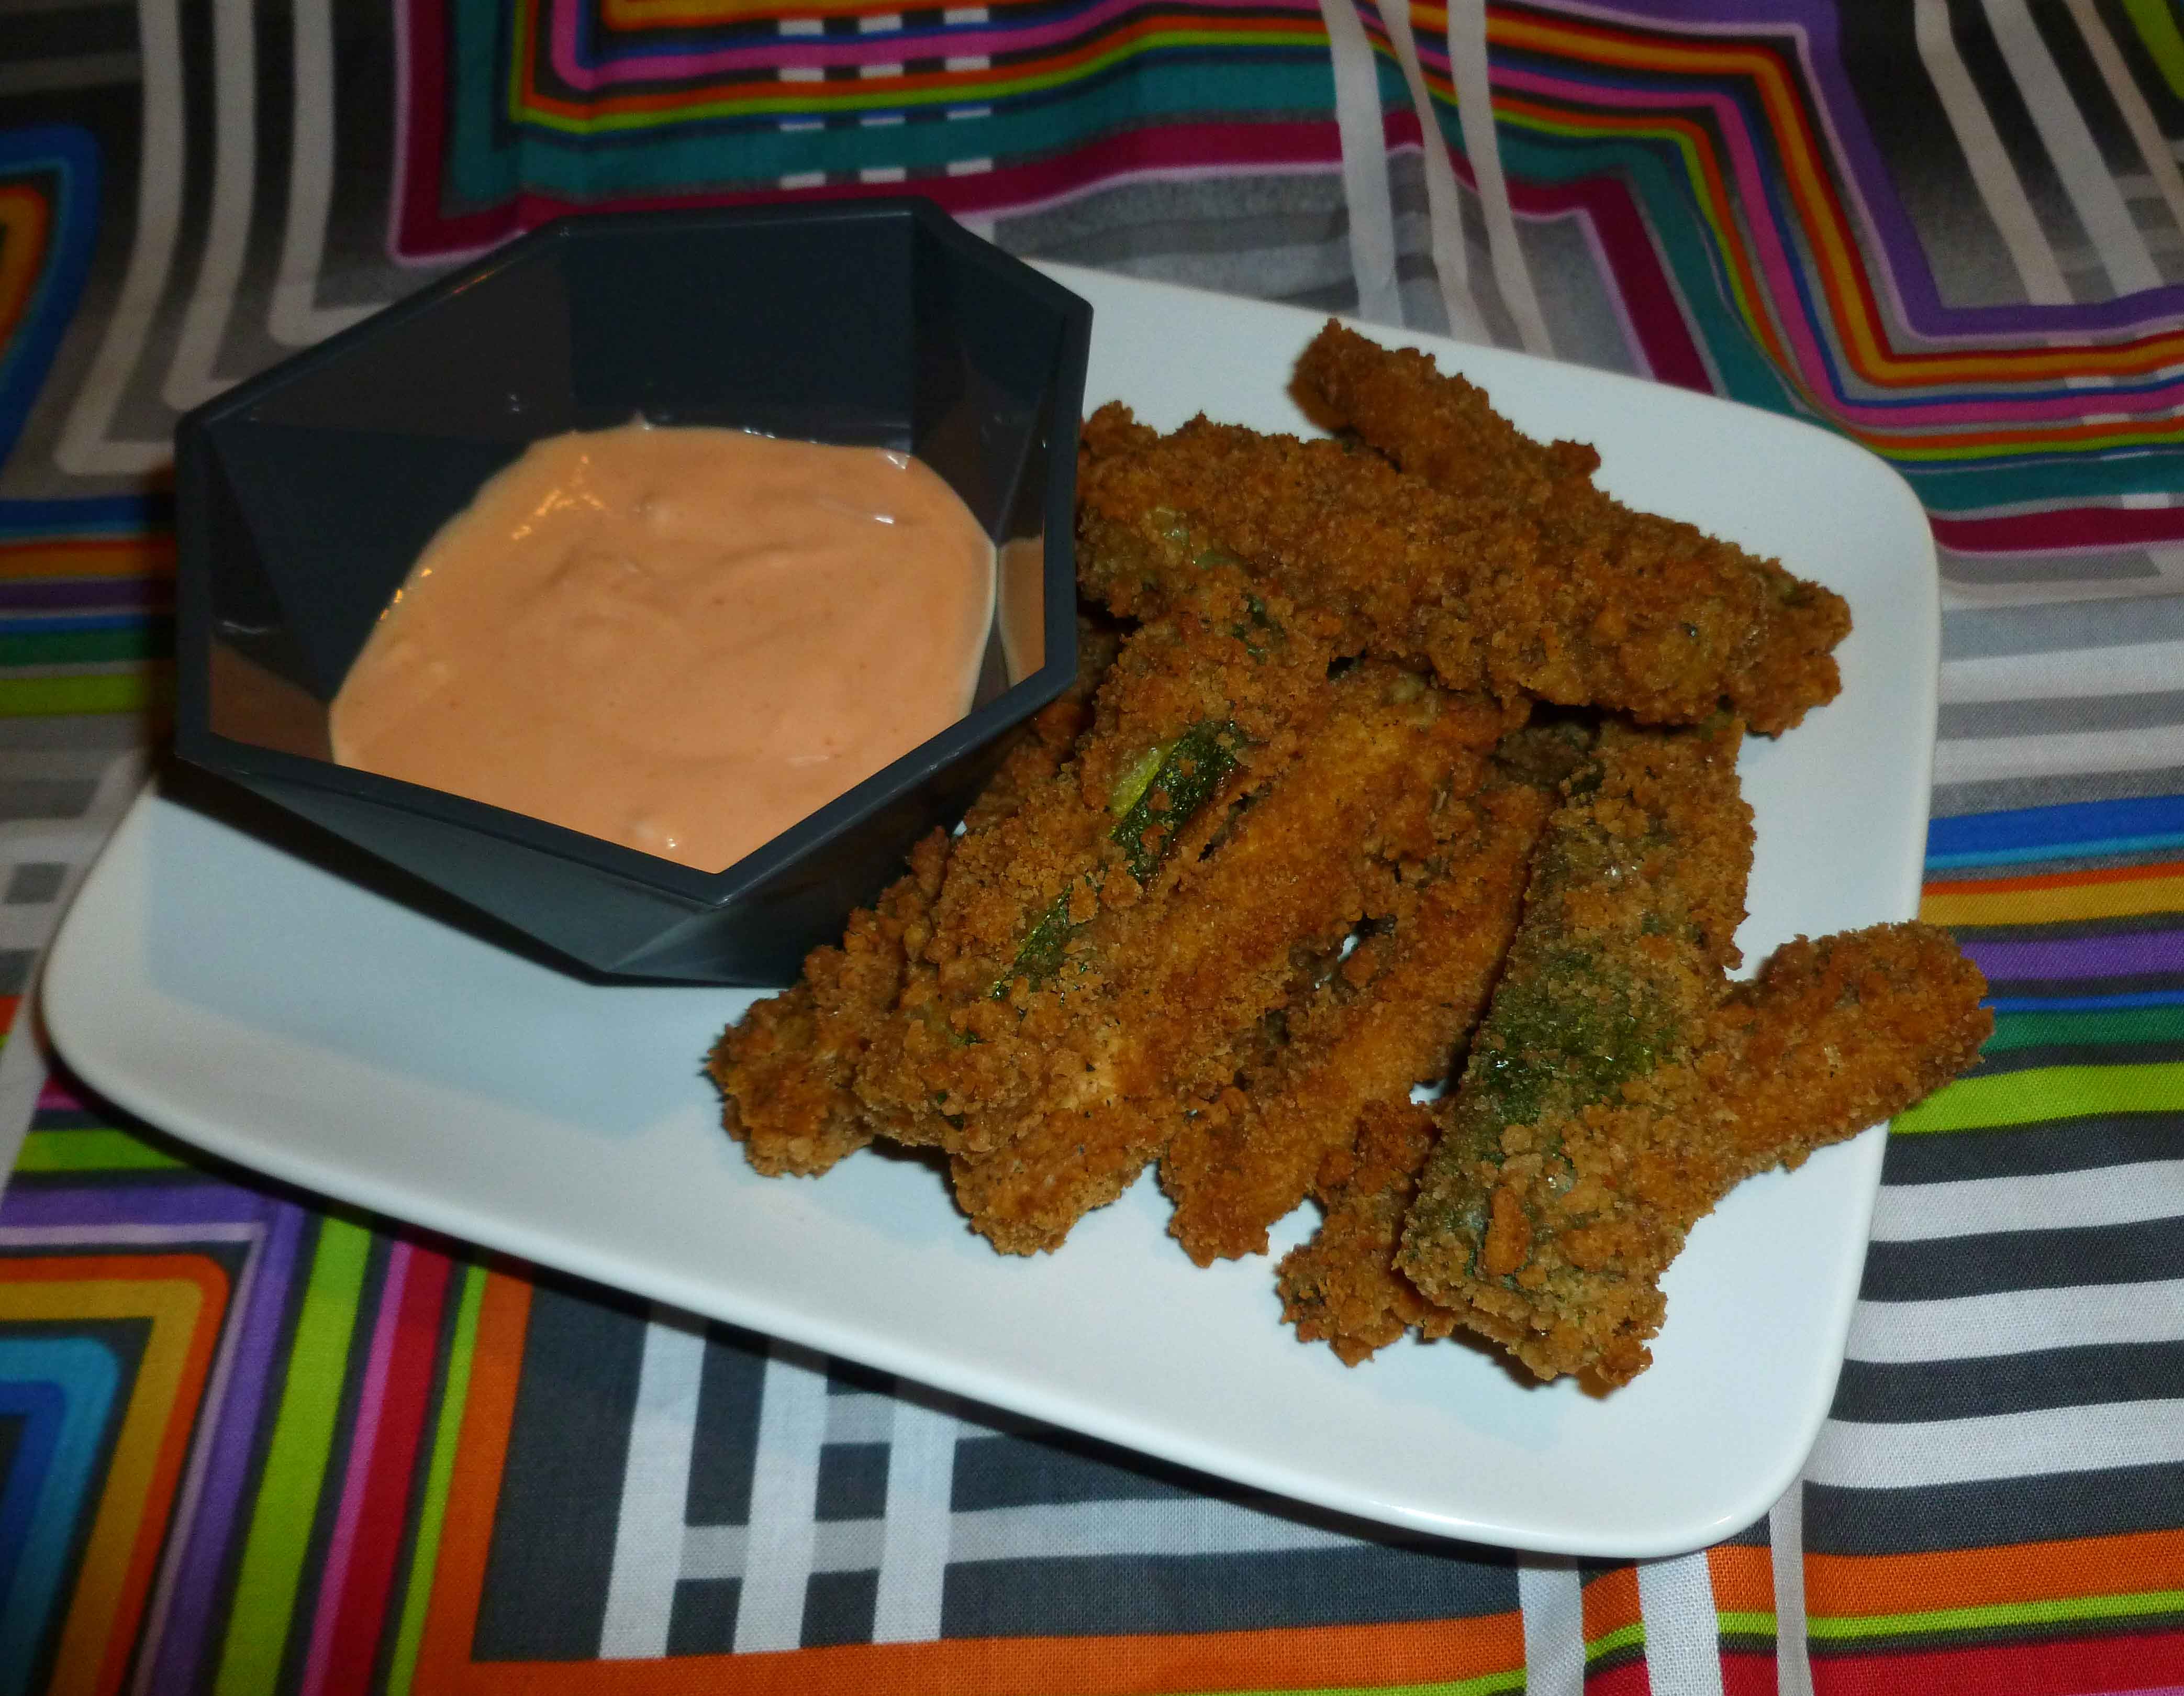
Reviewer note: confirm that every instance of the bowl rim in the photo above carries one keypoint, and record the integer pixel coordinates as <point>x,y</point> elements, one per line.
<point>195,741</point>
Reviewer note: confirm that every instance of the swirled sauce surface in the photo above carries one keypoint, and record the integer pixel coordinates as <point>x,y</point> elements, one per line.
<point>683,640</point>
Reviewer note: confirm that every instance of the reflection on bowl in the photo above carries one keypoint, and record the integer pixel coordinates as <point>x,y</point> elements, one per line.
<point>305,495</point>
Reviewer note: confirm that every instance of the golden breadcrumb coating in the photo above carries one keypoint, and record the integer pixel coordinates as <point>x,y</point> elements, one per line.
<point>1441,428</point>
<point>1836,1035</point>
<point>1831,1037</point>
<point>1199,710</point>
<point>1160,1002</point>
<point>1392,1015</point>
<point>1629,927</point>
<point>1342,1287</point>
<point>787,1071</point>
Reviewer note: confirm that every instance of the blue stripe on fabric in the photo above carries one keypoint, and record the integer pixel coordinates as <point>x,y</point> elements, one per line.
<point>2144,998</point>
<point>84,1375</point>
<point>79,624</point>
<point>41,1407</point>
<point>118,516</point>
<point>2052,831</point>
<point>2017,856</point>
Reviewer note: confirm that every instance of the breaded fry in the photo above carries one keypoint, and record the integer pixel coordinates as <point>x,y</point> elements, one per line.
<point>1831,1037</point>
<point>1838,1035</point>
<point>1441,429</point>
<point>1390,1016</point>
<point>1394,560</point>
<point>786,1071</point>
<point>1630,612</point>
<point>1779,661</point>
<point>1617,968</point>
<point>1342,1287</point>
<point>1165,996</point>
<point>1200,709</point>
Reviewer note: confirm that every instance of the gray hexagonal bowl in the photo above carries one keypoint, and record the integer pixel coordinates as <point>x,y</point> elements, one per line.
<point>304,495</point>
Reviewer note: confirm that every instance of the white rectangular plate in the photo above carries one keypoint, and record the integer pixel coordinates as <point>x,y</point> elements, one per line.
<point>254,1003</point>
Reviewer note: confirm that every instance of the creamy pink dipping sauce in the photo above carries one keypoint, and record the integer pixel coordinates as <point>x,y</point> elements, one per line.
<point>683,640</point>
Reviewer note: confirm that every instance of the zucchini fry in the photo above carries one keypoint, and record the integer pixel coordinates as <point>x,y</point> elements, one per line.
<point>1760,637</point>
<point>1442,428</point>
<point>1392,1015</point>
<point>787,1070</point>
<point>1833,1036</point>
<point>1342,1288</point>
<point>1200,709</point>
<point>1615,973</point>
<point>1163,1000</point>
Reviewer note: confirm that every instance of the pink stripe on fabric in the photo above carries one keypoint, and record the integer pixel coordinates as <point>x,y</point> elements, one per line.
<point>342,1544</point>
<point>1780,271</point>
<point>883,48</point>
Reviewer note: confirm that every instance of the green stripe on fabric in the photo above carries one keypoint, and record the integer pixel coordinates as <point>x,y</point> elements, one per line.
<point>2158,35</point>
<point>433,1513</point>
<point>1746,1625</point>
<point>1486,1684</point>
<point>295,1465</point>
<point>92,1151</point>
<point>2050,1611</point>
<point>1623,1636</point>
<point>85,647</point>
<point>129,691</point>
<point>2046,1092</point>
<point>2123,1026</point>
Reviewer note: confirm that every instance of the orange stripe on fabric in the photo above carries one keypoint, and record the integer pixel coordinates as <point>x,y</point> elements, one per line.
<point>621,14</point>
<point>1428,1652</point>
<point>2170,869</point>
<point>185,1296</point>
<point>443,1662</point>
<point>2056,898</point>
<point>1839,1586</point>
<point>25,221</point>
<point>1745,279</point>
<point>1810,189</point>
<point>1405,1653</point>
<point>90,557</point>
<point>1743,1576</point>
<point>1611,1603</point>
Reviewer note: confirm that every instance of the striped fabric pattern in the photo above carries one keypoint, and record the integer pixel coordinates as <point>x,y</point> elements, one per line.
<point>250,1442</point>
<point>2014,1373</point>
<point>1751,215</point>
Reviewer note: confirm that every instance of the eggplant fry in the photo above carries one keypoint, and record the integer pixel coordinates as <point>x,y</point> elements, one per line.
<point>1617,968</point>
<point>1392,1015</point>
<point>1162,1000</point>
<point>1773,666</point>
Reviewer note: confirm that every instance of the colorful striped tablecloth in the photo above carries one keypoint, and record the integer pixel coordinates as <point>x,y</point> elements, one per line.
<point>254,1442</point>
